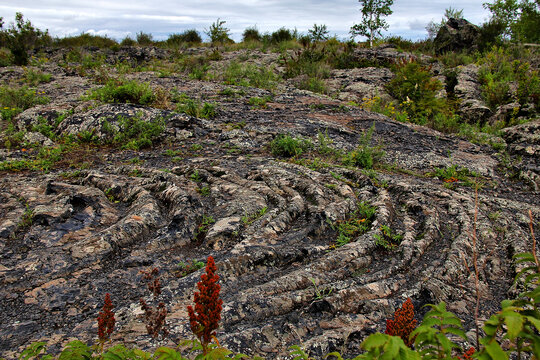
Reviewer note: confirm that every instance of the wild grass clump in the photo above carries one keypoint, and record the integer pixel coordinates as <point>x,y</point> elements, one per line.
<point>124,91</point>
<point>195,108</point>
<point>249,75</point>
<point>288,146</point>
<point>364,156</point>
<point>134,133</point>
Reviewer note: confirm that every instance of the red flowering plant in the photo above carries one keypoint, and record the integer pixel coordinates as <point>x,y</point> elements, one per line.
<point>403,323</point>
<point>205,317</point>
<point>106,321</point>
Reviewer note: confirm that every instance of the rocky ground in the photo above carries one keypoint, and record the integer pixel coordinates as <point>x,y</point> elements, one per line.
<point>212,187</point>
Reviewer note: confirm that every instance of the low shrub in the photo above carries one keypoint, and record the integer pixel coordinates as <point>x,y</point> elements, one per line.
<point>144,39</point>
<point>416,90</point>
<point>251,34</point>
<point>281,35</point>
<point>14,100</point>
<point>189,37</point>
<point>85,40</point>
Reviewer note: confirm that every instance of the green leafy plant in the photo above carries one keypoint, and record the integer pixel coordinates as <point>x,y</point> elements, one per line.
<point>134,133</point>
<point>259,102</point>
<point>248,219</point>
<point>249,75</point>
<point>431,336</point>
<point>355,224</point>
<point>21,37</point>
<point>189,267</point>
<point>320,293</point>
<point>387,239</point>
<point>364,156</point>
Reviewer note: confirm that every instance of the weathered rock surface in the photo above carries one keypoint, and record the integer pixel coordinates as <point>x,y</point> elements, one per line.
<point>95,228</point>
<point>456,35</point>
<point>471,107</point>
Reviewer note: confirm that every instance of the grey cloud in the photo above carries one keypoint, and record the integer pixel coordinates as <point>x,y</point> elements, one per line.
<point>115,18</point>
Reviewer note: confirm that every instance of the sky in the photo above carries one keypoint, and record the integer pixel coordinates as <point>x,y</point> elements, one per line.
<point>120,18</point>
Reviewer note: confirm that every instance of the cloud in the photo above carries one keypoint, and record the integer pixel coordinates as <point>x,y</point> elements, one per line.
<point>171,16</point>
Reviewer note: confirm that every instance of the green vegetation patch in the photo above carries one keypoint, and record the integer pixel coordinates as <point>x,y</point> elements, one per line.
<point>288,146</point>
<point>124,91</point>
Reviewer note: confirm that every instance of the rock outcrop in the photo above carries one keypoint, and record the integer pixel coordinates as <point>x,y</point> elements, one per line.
<point>92,223</point>
<point>456,35</point>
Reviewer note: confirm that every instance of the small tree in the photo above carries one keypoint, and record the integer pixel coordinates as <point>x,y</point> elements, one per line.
<point>372,21</point>
<point>218,33</point>
<point>318,33</point>
<point>21,37</point>
<point>432,28</point>
<point>520,20</point>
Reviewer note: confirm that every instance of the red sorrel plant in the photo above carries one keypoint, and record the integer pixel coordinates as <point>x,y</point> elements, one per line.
<point>207,306</point>
<point>153,282</point>
<point>403,323</point>
<point>154,315</point>
<point>106,320</point>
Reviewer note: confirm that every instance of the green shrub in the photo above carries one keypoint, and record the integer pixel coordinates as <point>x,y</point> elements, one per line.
<point>364,156</point>
<point>281,35</point>
<point>21,37</point>
<point>191,107</point>
<point>34,78</point>
<point>14,100</point>
<point>127,41</point>
<point>259,102</point>
<point>288,146</point>
<point>354,225</point>
<point>251,34</point>
<point>144,39</point>
<point>124,91</point>
<point>218,33</point>
<point>416,90</point>
<point>387,238</point>
<point>190,37</point>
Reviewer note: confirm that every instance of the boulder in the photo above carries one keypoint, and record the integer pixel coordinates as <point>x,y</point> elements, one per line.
<point>455,35</point>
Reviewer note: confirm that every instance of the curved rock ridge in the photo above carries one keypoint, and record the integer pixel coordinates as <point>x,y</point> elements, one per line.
<point>213,187</point>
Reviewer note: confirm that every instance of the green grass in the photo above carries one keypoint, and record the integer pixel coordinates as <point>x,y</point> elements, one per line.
<point>124,91</point>
<point>288,146</point>
<point>133,133</point>
<point>364,156</point>
<point>195,108</point>
<point>249,75</point>
<point>259,102</point>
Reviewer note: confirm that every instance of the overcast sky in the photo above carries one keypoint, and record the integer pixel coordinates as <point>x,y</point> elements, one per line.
<point>121,18</point>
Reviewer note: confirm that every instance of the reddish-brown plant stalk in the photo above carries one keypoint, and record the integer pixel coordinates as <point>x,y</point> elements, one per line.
<point>207,306</point>
<point>403,323</point>
<point>106,320</point>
